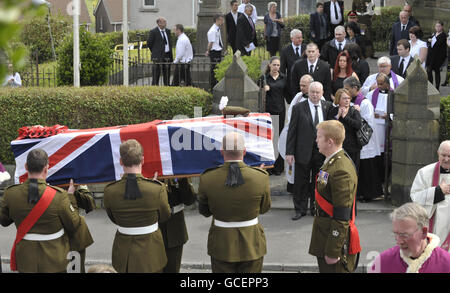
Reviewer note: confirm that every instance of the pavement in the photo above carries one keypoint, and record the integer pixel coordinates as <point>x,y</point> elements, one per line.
<point>287,240</point>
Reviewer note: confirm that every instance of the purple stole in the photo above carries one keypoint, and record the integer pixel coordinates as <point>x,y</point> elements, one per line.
<point>436,173</point>
<point>360,98</point>
<point>377,91</point>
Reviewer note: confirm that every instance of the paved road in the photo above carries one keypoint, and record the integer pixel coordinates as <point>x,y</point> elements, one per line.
<point>287,240</point>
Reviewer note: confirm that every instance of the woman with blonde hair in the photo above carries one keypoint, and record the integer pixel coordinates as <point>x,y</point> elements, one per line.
<point>351,119</point>
<point>273,24</point>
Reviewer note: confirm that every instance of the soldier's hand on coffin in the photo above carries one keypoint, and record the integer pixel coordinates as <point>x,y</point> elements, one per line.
<point>262,165</point>
<point>155,176</point>
<point>72,188</point>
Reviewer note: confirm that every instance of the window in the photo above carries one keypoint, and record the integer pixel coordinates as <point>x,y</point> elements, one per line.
<point>149,3</point>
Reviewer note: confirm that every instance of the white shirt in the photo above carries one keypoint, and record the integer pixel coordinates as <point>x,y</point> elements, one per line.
<point>299,49</point>
<point>405,63</point>
<point>333,18</point>
<point>163,32</point>
<point>17,81</point>
<point>313,110</point>
<point>235,16</point>
<point>342,43</point>
<point>415,50</point>
<point>215,37</point>
<point>184,53</point>
<point>241,9</point>
<point>309,64</point>
<point>433,41</point>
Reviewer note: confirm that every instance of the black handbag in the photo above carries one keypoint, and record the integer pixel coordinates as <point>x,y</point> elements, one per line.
<point>364,134</point>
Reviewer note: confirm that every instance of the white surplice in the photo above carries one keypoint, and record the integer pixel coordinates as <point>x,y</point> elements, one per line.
<point>423,193</point>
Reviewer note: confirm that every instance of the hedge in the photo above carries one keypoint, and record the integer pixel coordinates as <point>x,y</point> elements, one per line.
<point>444,119</point>
<point>91,107</point>
<point>253,66</point>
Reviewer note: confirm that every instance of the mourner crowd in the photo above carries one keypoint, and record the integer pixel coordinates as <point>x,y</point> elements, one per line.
<point>336,143</point>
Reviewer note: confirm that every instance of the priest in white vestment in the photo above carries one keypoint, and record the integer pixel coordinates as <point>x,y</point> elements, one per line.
<point>431,189</point>
<point>384,66</point>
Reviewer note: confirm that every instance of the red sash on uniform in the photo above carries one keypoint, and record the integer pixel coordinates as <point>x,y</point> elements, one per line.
<point>354,245</point>
<point>30,220</point>
<point>437,172</point>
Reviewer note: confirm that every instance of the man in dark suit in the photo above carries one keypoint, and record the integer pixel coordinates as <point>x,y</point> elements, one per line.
<point>231,22</point>
<point>408,8</point>
<point>289,55</point>
<point>301,147</point>
<point>246,31</point>
<point>402,61</point>
<point>331,49</point>
<point>319,26</point>
<point>160,45</point>
<point>400,30</point>
<point>335,13</point>
<point>312,65</point>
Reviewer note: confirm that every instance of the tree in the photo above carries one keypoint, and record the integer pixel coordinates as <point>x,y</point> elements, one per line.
<point>11,11</point>
<point>95,58</point>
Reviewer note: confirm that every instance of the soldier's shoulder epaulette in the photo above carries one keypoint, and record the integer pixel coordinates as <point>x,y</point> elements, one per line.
<point>111,183</point>
<point>12,186</point>
<point>260,170</point>
<point>153,180</point>
<point>210,169</point>
<point>57,188</point>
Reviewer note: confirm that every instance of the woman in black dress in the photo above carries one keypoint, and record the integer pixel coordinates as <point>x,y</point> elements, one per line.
<point>275,85</point>
<point>351,119</point>
<point>437,52</point>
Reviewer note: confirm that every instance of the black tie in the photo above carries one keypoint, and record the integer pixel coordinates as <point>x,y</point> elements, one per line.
<point>220,38</point>
<point>335,10</point>
<point>340,46</point>
<point>164,37</point>
<point>316,116</point>
<point>400,69</point>
<point>311,69</point>
<point>403,27</point>
<point>296,52</point>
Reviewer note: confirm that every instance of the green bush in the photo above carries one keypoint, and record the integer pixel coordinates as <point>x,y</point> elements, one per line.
<point>36,35</point>
<point>444,121</point>
<point>382,27</point>
<point>95,59</point>
<point>91,107</point>
<point>253,66</point>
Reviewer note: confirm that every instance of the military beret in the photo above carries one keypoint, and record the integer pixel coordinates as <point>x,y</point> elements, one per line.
<point>234,110</point>
<point>352,13</point>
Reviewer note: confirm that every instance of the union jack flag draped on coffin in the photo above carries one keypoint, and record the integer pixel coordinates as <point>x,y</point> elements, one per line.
<point>171,147</point>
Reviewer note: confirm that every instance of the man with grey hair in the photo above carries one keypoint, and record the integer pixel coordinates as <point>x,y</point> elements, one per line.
<point>331,49</point>
<point>384,66</point>
<point>289,55</point>
<point>235,195</point>
<point>400,30</point>
<point>417,250</point>
<point>301,147</point>
<point>246,40</point>
<point>431,189</point>
<point>408,8</point>
<point>242,7</point>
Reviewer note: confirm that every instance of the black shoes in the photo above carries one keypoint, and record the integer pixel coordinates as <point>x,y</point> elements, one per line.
<point>298,216</point>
